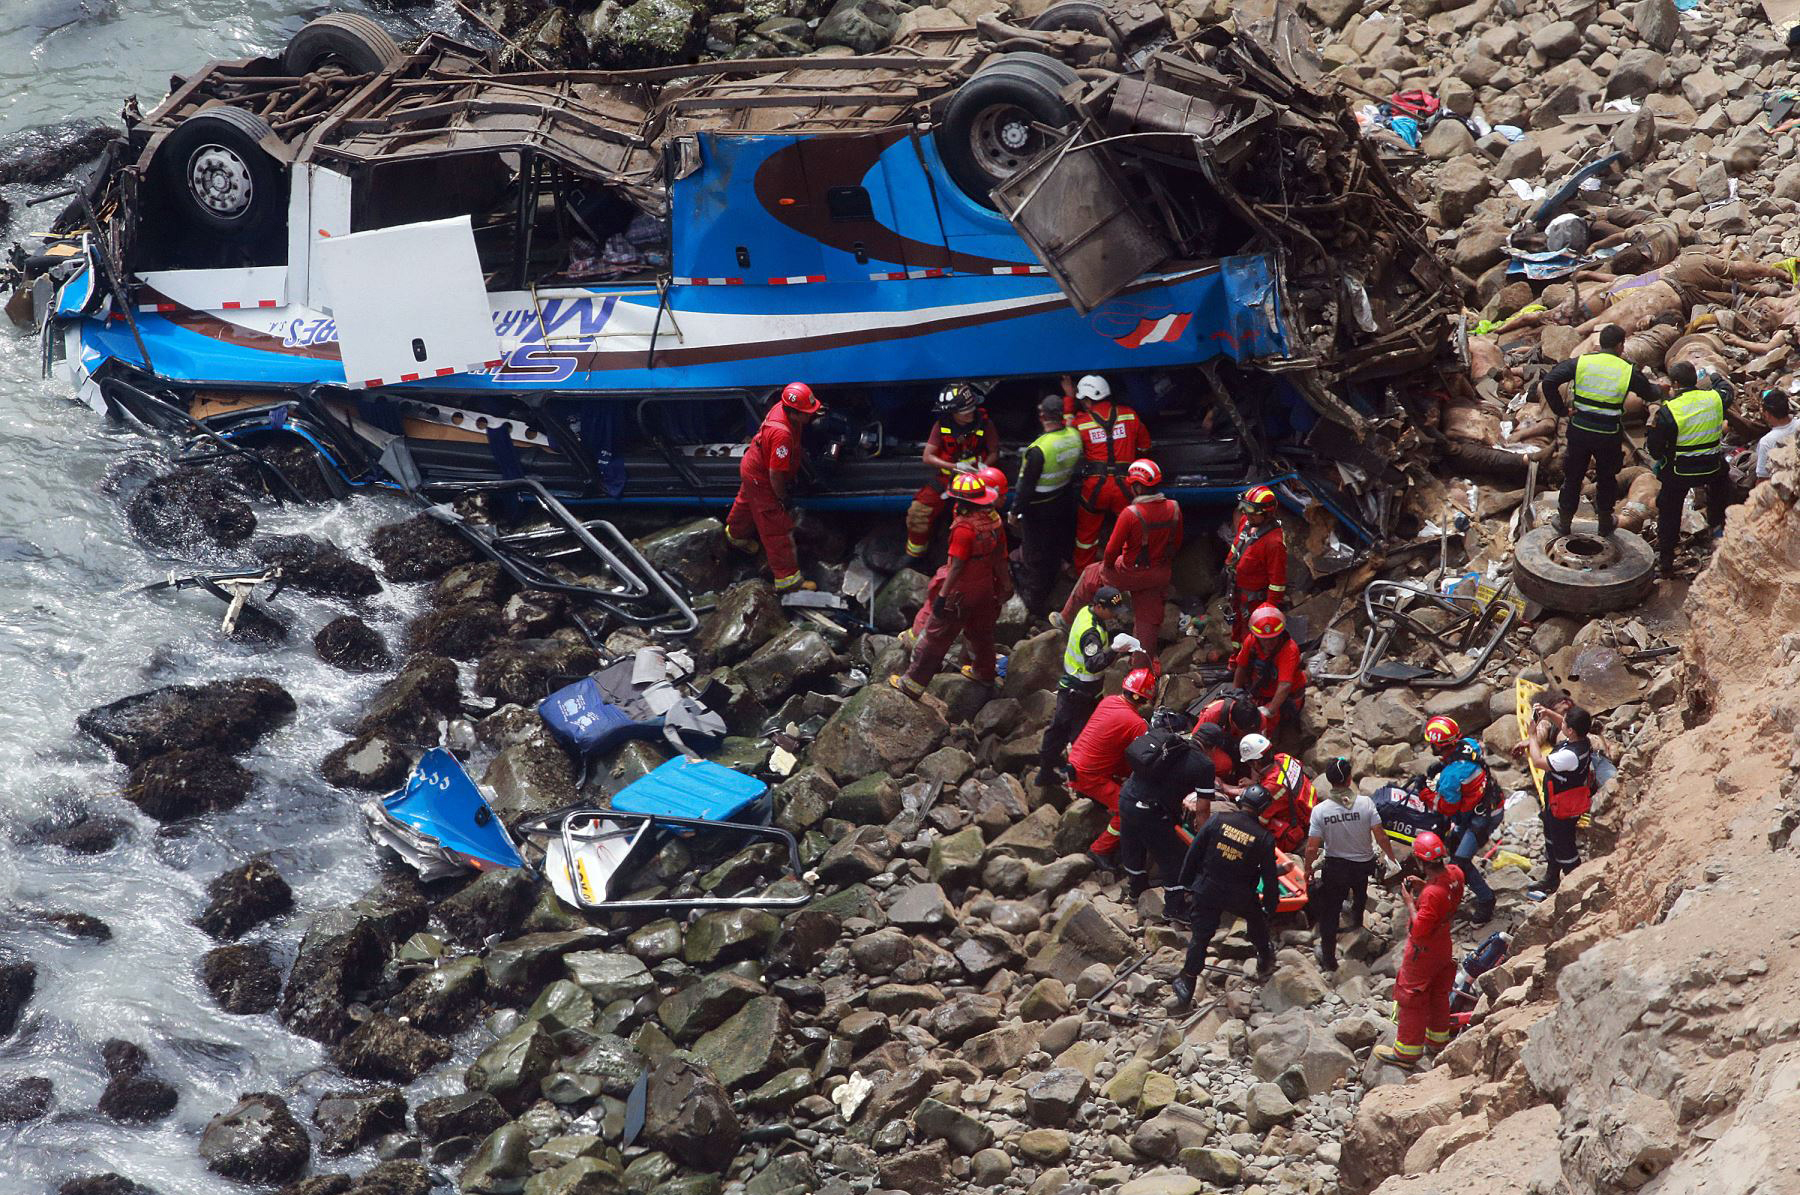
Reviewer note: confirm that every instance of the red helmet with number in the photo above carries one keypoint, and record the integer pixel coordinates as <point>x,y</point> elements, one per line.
<point>1258,497</point>
<point>1266,622</point>
<point>1144,471</point>
<point>1442,731</point>
<point>1140,682</point>
<point>1427,847</point>
<point>798,396</point>
<point>995,478</point>
<point>968,487</point>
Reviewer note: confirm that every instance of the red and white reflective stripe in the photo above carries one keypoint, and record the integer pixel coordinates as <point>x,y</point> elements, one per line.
<point>445,372</point>
<point>796,279</point>
<point>901,275</point>
<point>164,306</point>
<point>707,281</point>
<point>1019,270</point>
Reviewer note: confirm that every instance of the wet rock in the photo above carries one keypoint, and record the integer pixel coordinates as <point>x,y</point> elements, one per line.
<point>243,979</point>
<point>748,1047</point>
<point>383,1048</point>
<point>369,763</point>
<point>608,975</point>
<point>349,1120</point>
<point>419,549</point>
<point>872,800</point>
<point>481,581</point>
<point>688,1115</point>
<point>877,730</point>
<point>186,783</point>
<point>803,799</point>
<point>226,716</point>
<point>609,1059</point>
<point>501,1165</point>
<point>562,1006</point>
<point>519,967</point>
<point>18,981</point>
<point>525,671</point>
<point>349,644</point>
<point>245,897</point>
<point>707,1004</point>
<point>44,153</point>
<point>747,616</point>
<point>494,902</point>
<point>793,658</point>
<point>102,1184</point>
<point>471,1114</point>
<point>692,552</point>
<point>922,906</point>
<point>191,510</point>
<point>646,33</point>
<point>409,708</point>
<point>727,935</point>
<point>133,1095</point>
<point>530,779</point>
<point>445,999</point>
<point>79,925</point>
<point>24,1099</point>
<point>396,1176</point>
<point>336,964</point>
<point>313,566</point>
<point>257,1141</point>
<point>511,1068</point>
<point>88,835</point>
<point>461,632</point>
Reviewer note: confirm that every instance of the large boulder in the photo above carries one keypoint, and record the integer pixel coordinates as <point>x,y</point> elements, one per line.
<point>419,549</point>
<point>530,779</point>
<point>877,730</point>
<point>1080,937</point>
<point>692,552</point>
<point>243,979</point>
<point>445,999</point>
<point>371,763</point>
<point>257,1141</point>
<point>341,958</point>
<point>793,658</point>
<point>747,616</point>
<point>1034,665</point>
<point>228,716</point>
<point>133,1095</point>
<point>349,644</point>
<point>184,784</point>
<point>748,1048</point>
<point>863,25</point>
<point>193,510</point>
<point>409,708</point>
<point>523,671</point>
<point>511,1068</point>
<point>898,600</point>
<point>348,1120</point>
<point>243,898</point>
<point>644,34</point>
<point>688,1115</point>
<point>383,1048</point>
<point>44,153</point>
<point>313,566</point>
<point>470,1114</point>
<point>461,632</point>
<point>25,1099</point>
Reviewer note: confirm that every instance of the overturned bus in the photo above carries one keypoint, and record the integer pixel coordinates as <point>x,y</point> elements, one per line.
<point>428,269</point>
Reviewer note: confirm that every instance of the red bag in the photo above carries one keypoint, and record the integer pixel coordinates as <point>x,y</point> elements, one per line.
<point>1569,803</point>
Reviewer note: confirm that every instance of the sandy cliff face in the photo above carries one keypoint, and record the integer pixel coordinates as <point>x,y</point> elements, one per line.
<point>1645,1036</point>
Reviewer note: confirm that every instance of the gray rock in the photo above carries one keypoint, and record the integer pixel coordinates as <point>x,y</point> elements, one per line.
<point>863,25</point>
<point>1219,1166</point>
<point>256,1141</point>
<point>1447,139</point>
<point>872,800</point>
<point>349,644</point>
<point>445,999</point>
<point>964,1133</point>
<point>409,708</point>
<point>964,1017</point>
<point>367,763</point>
<point>1266,1106</point>
<point>511,1068</point>
<point>471,1114</point>
<point>501,1165</point>
<point>494,902</point>
<point>922,906</point>
<point>520,671</point>
<point>1052,1097</point>
<point>226,716</point>
<point>349,1120</point>
<point>519,967</point>
<point>707,1004</point>
<point>562,1006</point>
<point>1174,1129</point>
<point>647,33</point>
<point>610,1059</point>
<point>804,800</point>
<point>877,730</point>
<point>747,1048</point>
<point>608,975</point>
<point>1081,937</point>
<point>1557,40</point>
<point>1390,716</point>
<point>1657,22</point>
<point>693,551</point>
<point>795,657</point>
<point>727,935</point>
<point>747,616</point>
<point>530,779</point>
<point>383,1048</point>
<point>898,600</point>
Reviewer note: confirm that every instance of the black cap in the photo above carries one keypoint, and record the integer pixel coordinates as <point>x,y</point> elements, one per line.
<point>1776,403</point>
<point>1106,595</point>
<point>1210,735</point>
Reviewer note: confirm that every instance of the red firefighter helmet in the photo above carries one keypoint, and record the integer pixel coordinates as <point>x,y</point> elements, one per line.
<point>968,487</point>
<point>798,396</point>
<point>995,478</point>
<point>1258,497</point>
<point>1266,622</point>
<point>1140,682</point>
<point>1442,731</point>
<point>1427,847</point>
<point>1144,471</point>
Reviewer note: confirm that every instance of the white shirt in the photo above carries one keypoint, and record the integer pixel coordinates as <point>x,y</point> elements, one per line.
<point>1347,831</point>
<point>1766,445</point>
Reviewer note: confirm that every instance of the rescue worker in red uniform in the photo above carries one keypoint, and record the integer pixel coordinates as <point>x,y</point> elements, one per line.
<point>1112,435</point>
<point>1235,714</point>
<point>1097,756</point>
<point>1292,799</point>
<point>1267,666</point>
<point>962,440</point>
<point>765,475</point>
<point>995,480</point>
<point>1138,558</point>
<point>1427,968</point>
<point>1256,562</point>
<point>976,583</point>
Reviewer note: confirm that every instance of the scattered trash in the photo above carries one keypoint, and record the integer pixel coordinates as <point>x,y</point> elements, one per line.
<point>234,589</point>
<point>440,823</point>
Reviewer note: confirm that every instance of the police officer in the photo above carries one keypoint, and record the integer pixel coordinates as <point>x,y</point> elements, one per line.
<point>1685,438</point>
<point>1231,856</point>
<point>1171,781</point>
<point>961,441</point>
<point>765,475</point>
<point>1043,506</point>
<point>1598,383</point>
<point>1348,828</point>
<point>1090,649</point>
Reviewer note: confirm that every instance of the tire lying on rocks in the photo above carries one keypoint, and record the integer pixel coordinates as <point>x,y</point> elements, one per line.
<point>991,127</point>
<point>1581,573</point>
